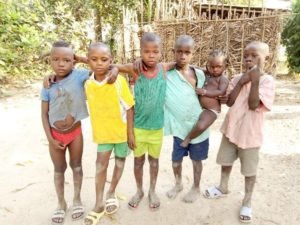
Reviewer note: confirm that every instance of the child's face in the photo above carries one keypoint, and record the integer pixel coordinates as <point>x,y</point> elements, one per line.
<point>150,53</point>
<point>62,60</point>
<point>99,60</point>
<point>183,55</point>
<point>252,56</point>
<point>216,66</point>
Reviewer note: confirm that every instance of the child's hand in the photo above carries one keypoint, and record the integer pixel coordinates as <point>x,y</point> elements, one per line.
<point>80,59</point>
<point>131,141</point>
<point>48,80</point>
<point>223,99</point>
<point>112,75</point>
<point>245,78</point>
<point>57,145</point>
<point>200,91</point>
<point>139,66</point>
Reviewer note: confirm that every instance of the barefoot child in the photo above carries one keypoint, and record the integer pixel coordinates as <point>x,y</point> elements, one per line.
<point>182,111</point>
<point>111,113</point>
<point>251,96</point>
<point>149,91</point>
<point>216,85</point>
<point>63,107</point>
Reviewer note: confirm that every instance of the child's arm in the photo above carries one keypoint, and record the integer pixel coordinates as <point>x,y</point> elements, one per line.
<point>254,100</point>
<point>125,68</point>
<point>130,132</point>
<point>217,92</point>
<point>236,90</point>
<point>45,120</point>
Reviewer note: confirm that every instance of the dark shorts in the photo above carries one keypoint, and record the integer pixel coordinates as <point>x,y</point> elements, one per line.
<point>197,151</point>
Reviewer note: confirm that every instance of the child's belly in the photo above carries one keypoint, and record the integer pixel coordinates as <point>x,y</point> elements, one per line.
<point>210,103</point>
<point>65,124</point>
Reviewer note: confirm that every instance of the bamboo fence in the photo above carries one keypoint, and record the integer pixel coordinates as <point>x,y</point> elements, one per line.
<point>213,26</point>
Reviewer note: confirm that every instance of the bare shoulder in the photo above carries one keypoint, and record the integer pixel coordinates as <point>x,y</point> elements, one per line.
<point>224,80</point>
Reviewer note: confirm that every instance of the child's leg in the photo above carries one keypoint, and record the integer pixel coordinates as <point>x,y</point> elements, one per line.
<point>192,195</point>
<point>249,162</point>
<point>198,152</point>
<point>118,171</point>
<point>225,173</point>
<point>249,187</point>
<point>177,155</point>
<point>138,174</point>
<point>101,173</point>
<point>60,166</point>
<point>154,167</point>
<point>206,119</point>
<point>177,169</point>
<point>75,150</point>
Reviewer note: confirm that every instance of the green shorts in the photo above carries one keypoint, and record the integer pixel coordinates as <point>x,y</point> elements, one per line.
<point>121,150</point>
<point>148,141</point>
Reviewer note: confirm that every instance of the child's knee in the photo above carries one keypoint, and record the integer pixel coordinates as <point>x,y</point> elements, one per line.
<point>101,166</point>
<point>60,168</point>
<point>176,164</point>
<point>75,165</point>
<point>120,162</point>
<point>139,162</point>
<point>153,163</point>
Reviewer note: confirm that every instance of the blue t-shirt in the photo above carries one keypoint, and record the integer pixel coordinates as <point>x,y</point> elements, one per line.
<point>67,97</point>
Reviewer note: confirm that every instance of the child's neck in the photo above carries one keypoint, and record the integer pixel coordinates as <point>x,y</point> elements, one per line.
<point>100,77</point>
<point>151,69</point>
<point>59,78</point>
<point>183,68</point>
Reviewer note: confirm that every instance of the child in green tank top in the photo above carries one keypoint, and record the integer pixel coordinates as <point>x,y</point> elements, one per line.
<point>149,93</point>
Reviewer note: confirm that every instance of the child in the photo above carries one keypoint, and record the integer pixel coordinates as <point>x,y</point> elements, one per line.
<point>111,112</point>
<point>63,107</point>
<point>182,111</point>
<point>149,90</point>
<point>251,95</point>
<point>216,85</point>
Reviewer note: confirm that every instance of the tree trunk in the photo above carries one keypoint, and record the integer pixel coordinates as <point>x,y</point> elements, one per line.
<point>98,24</point>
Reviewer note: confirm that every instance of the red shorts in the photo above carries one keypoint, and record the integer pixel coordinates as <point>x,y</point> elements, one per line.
<point>68,137</point>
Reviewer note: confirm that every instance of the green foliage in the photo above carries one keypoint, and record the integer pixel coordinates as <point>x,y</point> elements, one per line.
<point>291,38</point>
<point>28,29</point>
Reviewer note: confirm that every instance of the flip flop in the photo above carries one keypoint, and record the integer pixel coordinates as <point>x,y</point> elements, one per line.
<point>153,206</point>
<point>94,217</point>
<point>134,204</point>
<point>77,210</point>
<point>213,193</point>
<point>109,203</point>
<point>245,212</point>
<point>58,214</point>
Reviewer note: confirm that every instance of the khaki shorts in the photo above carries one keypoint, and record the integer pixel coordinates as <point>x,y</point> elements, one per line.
<point>229,152</point>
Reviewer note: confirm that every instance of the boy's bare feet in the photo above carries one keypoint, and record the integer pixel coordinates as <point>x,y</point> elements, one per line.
<point>192,195</point>
<point>174,191</point>
<point>136,199</point>
<point>185,142</point>
<point>154,202</point>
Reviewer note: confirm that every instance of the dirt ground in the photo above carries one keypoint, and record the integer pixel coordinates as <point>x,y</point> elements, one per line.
<point>27,194</point>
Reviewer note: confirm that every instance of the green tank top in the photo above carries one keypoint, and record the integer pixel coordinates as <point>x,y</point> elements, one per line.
<point>150,96</point>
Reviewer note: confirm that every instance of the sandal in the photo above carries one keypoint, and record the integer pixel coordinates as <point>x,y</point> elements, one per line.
<point>77,210</point>
<point>111,205</point>
<point>93,217</point>
<point>58,217</point>
<point>245,214</point>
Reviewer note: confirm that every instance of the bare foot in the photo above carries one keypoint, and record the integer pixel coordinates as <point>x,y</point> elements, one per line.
<point>185,142</point>
<point>174,191</point>
<point>154,201</point>
<point>191,196</point>
<point>136,199</point>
